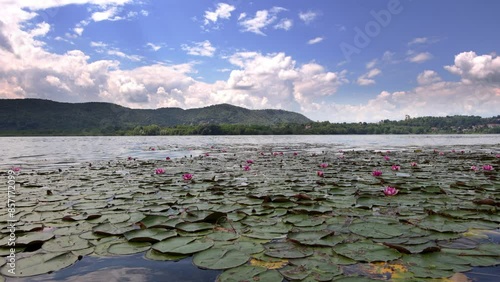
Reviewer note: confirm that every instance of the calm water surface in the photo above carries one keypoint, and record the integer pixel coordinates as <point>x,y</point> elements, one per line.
<point>53,151</point>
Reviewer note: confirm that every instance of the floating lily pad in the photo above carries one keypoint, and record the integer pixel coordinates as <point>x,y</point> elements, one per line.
<point>129,248</point>
<point>149,235</point>
<point>155,255</point>
<point>194,226</point>
<point>66,243</point>
<point>113,229</point>
<point>40,263</point>
<point>286,250</point>
<point>367,251</point>
<point>215,258</point>
<point>182,245</point>
<point>249,273</point>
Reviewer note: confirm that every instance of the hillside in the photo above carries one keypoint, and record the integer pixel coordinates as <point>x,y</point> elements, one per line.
<point>37,116</point>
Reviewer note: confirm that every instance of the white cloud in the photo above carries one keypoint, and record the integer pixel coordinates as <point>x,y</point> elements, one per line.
<point>308,16</point>
<point>428,77</point>
<point>367,78</point>
<point>78,30</point>
<point>262,19</point>
<point>285,24</point>
<point>418,40</point>
<point>41,29</point>
<point>223,11</point>
<point>473,68</point>
<point>106,15</point>
<point>203,48</point>
<point>242,16</point>
<point>371,64</point>
<point>420,57</point>
<point>98,44</point>
<point>118,53</point>
<point>153,46</point>
<point>315,40</point>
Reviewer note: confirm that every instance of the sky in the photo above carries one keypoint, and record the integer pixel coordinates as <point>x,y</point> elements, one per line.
<point>335,60</point>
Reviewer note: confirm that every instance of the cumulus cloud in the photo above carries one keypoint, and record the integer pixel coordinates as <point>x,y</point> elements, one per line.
<point>223,11</point>
<point>203,48</point>
<point>420,57</point>
<point>153,46</point>
<point>106,15</point>
<point>315,40</point>
<point>428,77</point>
<point>367,78</point>
<point>308,17</point>
<point>262,19</point>
<point>285,24</point>
<point>473,68</point>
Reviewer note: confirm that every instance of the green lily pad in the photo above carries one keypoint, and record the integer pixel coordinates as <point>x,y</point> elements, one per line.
<point>40,263</point>
<point>28,238</point>
<point>287,250</point>
<point>194,226</point>
<point>182,245</point>
<point>215,258</point>
<point>129,248</point>
<point>367,251</point>
<point>152,235</point>
<point>66,243</point>
<point>155,255</point>
<point>113,229</point>
<point>376,230</point>
<point>249,273</point>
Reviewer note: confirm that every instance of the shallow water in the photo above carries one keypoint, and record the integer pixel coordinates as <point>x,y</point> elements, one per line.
<point>64,151</point>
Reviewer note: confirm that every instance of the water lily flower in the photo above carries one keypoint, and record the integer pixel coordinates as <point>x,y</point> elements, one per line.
<point>320,173</point>
<point>16,169</point>
<point>223,151</point>
<point>441,153</point>
<point>152,149</point>
<point>129,158</point>
<point>246,168</point>
<point>167,158</point>
<point>498,155</point>
<point>207,154</point>
<point>395,167</point>
<point>187,176</point>
<point>413,164</point>
<point>390,191</point>
<point>159,171</point>
<point>386,158</point>
<point>281,153</point>
<point>324,165</point>
<point>388,152</point>
<point>295,154</point>
<point>249,161</point>
<point>377,173</point>
<point>275,153</point>
<point>474,168</point>
<point>341,156</point>
<point>487,167</point>
<point>453,151</point>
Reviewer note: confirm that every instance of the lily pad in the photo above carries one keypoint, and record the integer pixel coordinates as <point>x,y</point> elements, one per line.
<point>182,245</point>
<point>215,258</point>
<point>149,235</point>
<point>40,263</point>
<point>367,251</point>
<point>249,273</point>
<point>129,248</point>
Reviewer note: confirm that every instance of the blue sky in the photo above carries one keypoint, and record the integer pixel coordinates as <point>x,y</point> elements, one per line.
<point>340,61</point>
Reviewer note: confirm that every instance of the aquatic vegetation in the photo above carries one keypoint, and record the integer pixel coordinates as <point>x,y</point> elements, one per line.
<point>323,165</point>
<point>387,158</point>
<point>159,171</point>
<point>396,167</point>
<point>474,168</point>
<point>390,191</point>
<point>16,169</point>
<point>285,220</point>
<point>487,167</point>
<point>246,168</point>
<point>167,158</point>
<point>413,164</point>
<point>249,161</point>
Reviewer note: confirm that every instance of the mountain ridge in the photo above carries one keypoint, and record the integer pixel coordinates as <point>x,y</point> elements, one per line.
<point>46,116</point>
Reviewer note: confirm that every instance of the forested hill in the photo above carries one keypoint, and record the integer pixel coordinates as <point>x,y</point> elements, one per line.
<point>37,116</point>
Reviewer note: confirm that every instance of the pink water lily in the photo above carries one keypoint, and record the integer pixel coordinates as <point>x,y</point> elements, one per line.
<point>453,151</point>
<point>129,158</point>
<point>16,169</point>
<point>376,173</point>
<point>498,155</point>
<point>413,164</point>
<point>159,171</point>
<point>187,176</point>
<point>246,168</point>
<point>395,167</point>
<point>249,161</point>
<point>387,158</point>
<point>295,153</point>
<point>474,168</point>
<point>390,191</point>
<point>487,167</point>
<point>167,158</point>
<point>275,153</point>
<point>341,156</point>
<point>441,153</point>
<point>320,173</point>
<point>207,154</point>
<point>323,165</point>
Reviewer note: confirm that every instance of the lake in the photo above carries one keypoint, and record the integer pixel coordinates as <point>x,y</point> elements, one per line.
<point>79,185</point>
<point>63,151</point>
